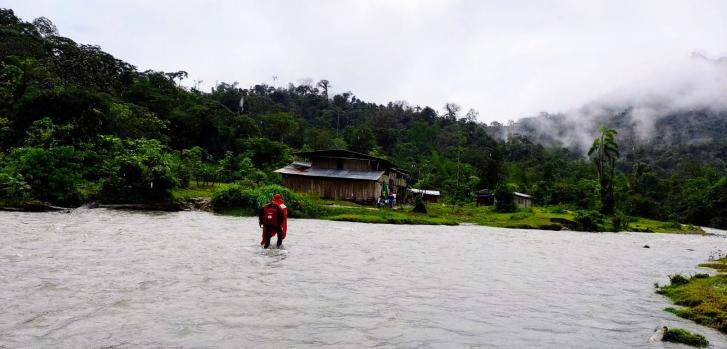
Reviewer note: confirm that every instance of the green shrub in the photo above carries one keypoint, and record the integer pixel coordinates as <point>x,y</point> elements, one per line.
<point>678,279</point>
<point>621,222</point>
<point>232,197</point>
<point>265,194</point>
<point>419,206</point>
<point>299,206</point>
<point>13,187</point>
<point>589,220</point>
<point>140,170</point>
<point>678,335</point>
<point>504,198</point>
<point>52,175</point>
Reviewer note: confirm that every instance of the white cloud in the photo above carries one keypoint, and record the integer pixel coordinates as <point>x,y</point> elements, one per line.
<point>505,59</point>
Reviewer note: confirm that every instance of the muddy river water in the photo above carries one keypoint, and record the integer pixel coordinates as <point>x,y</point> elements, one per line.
<point>117,279</point>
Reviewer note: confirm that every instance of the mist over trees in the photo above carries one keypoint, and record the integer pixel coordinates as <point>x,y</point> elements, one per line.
<point>77,124</point>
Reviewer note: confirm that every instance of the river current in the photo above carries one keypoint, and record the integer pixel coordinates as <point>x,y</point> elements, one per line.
<point>118,279</point>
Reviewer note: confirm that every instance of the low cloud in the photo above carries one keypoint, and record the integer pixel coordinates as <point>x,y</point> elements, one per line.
<point>695,84</point>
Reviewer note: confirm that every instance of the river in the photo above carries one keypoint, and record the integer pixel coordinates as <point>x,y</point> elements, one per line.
<point>118,279</point>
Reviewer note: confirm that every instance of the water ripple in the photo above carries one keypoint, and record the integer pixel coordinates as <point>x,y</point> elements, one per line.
<point>116,279</point>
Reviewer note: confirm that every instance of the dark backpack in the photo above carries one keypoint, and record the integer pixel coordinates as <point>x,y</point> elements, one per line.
<point>271,215</point>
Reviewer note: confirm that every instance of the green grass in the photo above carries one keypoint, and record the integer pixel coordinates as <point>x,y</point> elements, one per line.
<point>382,215</point>
<point>678,335</point>
<point>719,265</point>
<point>653,226</point>
<point>438,214</point>
<point>391,219</point>
<point>529,218</point>
<point>325,202</point>
<point>703,298</point>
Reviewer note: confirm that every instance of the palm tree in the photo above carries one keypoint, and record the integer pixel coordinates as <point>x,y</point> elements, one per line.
<point>604,153</point>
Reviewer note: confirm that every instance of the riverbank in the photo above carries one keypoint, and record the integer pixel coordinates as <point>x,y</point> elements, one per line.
<point>702,298</point>
<point>543,218</point>
<point>230,199</point>
<point>236,202</point>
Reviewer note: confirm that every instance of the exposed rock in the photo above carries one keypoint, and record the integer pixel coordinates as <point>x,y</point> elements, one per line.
<point>11,209</point>
<point>200,204</point>
<point>566,223</point>
<point>35,206</point>
<point>89,205</point>
<point>658,334</point>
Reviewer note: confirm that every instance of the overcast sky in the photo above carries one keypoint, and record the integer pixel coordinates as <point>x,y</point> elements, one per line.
<point>506,59</point>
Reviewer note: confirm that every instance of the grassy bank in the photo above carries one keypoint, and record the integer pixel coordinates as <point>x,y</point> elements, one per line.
<point>653,226</point>
<point>679,335</point>
<point>703,298</point>
<point>544,218</point>
<point>363,214</point>
<point>233,200</point>
<point>443,214</point>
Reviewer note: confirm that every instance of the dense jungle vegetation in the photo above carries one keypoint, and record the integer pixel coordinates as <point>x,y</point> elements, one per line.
<point>77,125</point>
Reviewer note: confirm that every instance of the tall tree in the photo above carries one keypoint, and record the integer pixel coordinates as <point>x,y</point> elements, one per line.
<point>45,26</point>
<point>604,153</point>
<point>324,85</point>
<point>452,113</point>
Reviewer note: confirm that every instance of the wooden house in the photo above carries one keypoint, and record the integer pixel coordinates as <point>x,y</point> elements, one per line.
<point>523,200</point>
<point>344,175</point>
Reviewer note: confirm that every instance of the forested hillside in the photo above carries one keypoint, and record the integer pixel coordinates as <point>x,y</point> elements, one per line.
<point>662,142</point>
<point>77,124</point>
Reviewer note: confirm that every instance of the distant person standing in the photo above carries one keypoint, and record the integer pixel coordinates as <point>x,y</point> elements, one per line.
<point>278,200</point>
<point>274,220</point>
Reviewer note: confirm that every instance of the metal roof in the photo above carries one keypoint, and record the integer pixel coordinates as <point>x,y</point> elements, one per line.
<point>347,154</point>
<point>522,195</point>
<point>425,192</point>
<point>331,173</point>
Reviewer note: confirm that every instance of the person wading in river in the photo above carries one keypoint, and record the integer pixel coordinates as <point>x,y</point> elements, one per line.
<point>274,220</point>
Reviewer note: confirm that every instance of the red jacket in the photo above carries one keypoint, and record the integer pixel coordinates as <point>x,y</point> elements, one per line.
<point>281,203</point>
<point>283,226</point>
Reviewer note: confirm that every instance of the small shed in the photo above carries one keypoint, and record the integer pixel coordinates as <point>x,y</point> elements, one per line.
<point>485,197</point>
<point>523,200</point>
<point>426,195</point>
